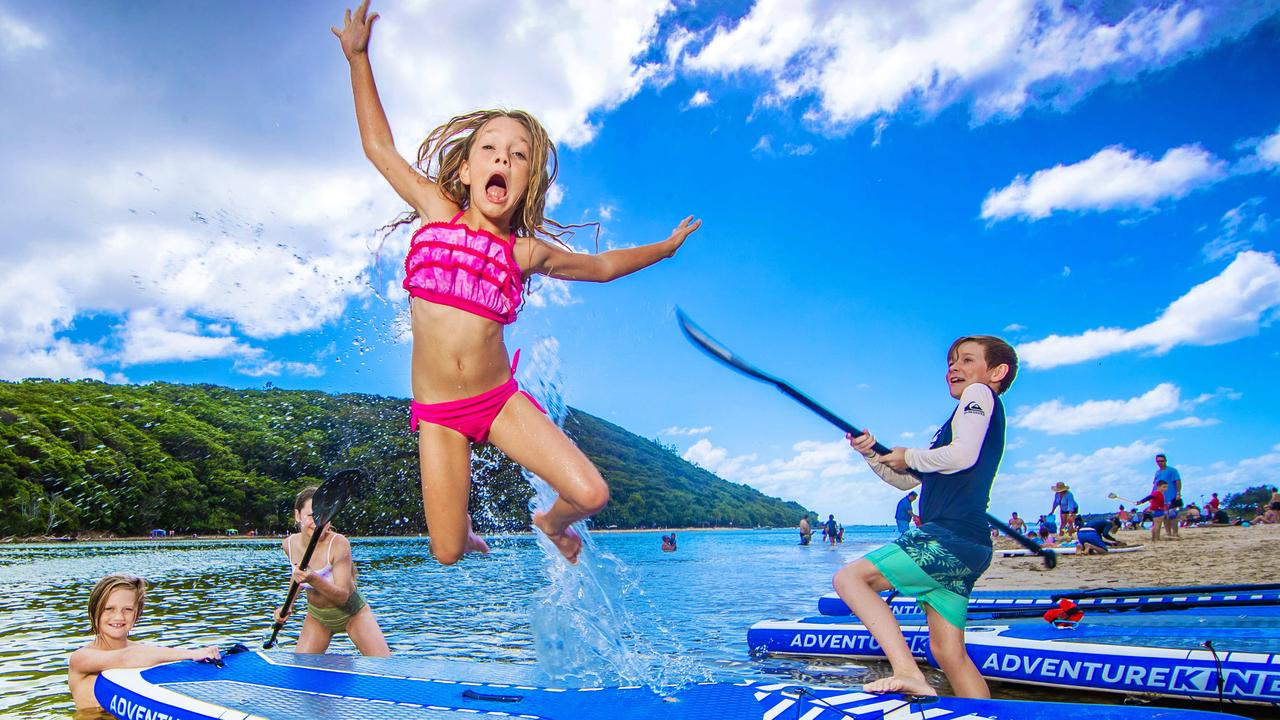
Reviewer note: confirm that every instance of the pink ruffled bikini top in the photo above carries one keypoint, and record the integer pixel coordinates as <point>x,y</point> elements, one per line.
<point>472,270</point>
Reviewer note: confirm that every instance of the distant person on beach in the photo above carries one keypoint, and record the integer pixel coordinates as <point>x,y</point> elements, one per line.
<point>1172,496</point>
<point>1096,537</point>
<point>1046,538</point>
<point>938,562</point>
<point>479,193</point>
<point>1211,507</point>
<point>334,605</point>
<point>115,605</point>
<point>1274,503</point>
<point>1017,524</point>
<point>903,514</point>
<point>1157,507</point>
<point>1065,503</point>
<point>806,532</point>
<point>829,530</point>
<point>1047,521</point>
<point>1124,517</point>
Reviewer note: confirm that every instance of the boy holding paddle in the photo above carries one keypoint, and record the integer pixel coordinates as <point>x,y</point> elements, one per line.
<point>938,562</point>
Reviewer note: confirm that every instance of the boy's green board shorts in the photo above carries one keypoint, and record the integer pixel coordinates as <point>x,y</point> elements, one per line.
<point>918,564</point>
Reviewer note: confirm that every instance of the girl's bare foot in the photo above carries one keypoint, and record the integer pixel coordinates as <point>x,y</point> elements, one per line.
<point>475,543</point>
<point>902,685</point>
<point>566,541</point>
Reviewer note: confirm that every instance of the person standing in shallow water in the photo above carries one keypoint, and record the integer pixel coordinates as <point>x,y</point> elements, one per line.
<point>903,514</point>
<point>938,562</point>
<point>334,605</point>
<point>806,532</point>
<point>829,529</point>
<point>479,192</point>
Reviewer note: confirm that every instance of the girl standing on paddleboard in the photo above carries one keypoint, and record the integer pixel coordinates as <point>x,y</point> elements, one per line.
<point>939,561</point>
<point>479,190</point>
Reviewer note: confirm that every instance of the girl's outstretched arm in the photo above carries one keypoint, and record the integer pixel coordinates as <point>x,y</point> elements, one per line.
<point>375,132</point>
<point>547,259</point>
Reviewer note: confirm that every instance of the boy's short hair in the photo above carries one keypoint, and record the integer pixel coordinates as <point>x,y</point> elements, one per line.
<point>997,352</point>
<point>110,584</point>
<point>1162,482</point>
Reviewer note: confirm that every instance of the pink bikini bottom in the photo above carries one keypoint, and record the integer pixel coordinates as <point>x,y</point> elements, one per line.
<point>472,417</point>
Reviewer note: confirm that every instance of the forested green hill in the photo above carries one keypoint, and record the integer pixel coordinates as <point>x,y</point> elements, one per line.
<point>124,459</point>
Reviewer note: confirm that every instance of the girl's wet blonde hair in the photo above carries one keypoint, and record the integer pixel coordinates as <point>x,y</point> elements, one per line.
<point>110,584</point>
<point>441,155</point>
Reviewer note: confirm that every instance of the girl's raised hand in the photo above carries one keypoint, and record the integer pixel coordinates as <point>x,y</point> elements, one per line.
<point>682,231</point>
<point>355,31</point>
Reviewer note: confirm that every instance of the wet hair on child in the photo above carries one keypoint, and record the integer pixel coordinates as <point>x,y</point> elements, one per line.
<point>109,584</point>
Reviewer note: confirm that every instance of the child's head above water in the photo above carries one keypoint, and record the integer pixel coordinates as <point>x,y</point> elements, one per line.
<point>115,604</point>
<point>980,358</point>
<point>498,160</point>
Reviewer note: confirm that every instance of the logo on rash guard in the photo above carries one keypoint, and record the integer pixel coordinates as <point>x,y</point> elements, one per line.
<point>974,408</point>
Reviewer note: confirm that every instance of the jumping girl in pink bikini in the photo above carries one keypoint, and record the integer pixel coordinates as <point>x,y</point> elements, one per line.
<point>479,189</point>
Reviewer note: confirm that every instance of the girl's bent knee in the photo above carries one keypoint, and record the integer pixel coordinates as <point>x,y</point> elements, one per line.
<point>446,555</point>
<point>591,499</point>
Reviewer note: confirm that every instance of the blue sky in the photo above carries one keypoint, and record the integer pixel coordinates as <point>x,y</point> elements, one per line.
<point>187,201</point>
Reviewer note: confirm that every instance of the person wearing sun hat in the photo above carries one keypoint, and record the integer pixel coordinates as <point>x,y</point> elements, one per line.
<point>1065,503</point>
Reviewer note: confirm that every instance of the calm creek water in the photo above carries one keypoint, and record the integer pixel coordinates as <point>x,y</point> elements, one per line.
<point>667,616</point>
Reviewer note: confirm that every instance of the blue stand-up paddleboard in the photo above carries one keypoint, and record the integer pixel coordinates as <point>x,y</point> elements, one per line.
<point>1227,654</point>
<point>1141,597</point>
<point>278,686</point>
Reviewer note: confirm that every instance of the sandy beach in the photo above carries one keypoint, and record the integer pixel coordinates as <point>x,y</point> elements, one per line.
<point>1204,556</point>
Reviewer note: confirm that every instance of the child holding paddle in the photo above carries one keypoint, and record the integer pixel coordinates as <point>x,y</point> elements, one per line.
<point>479,190</point>
<point>334,604</point>
<point>115,604</point>
<point>939,561</point>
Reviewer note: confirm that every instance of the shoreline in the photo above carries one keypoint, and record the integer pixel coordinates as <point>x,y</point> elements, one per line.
<point>1212,555</point>
<point>51,540</point>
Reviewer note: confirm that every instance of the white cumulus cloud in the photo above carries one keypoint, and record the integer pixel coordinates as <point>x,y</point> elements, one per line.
<point>1113,178</point>
<point>1058,418</point>
<point>1224,308</point>
<point>861,60</point>
<point>561,60</point>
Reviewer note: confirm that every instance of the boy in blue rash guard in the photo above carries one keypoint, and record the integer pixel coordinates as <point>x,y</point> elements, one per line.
<point>938,562</point>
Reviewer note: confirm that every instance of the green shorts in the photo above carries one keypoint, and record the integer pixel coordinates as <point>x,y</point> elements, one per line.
<point>910,579</point>
<point>335,618</point>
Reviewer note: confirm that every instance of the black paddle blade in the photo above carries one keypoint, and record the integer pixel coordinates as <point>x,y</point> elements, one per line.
<point>710,346</point>
<point>333,494</point>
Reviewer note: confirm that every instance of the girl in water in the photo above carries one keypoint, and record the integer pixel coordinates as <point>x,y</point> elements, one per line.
<point>334,605</point>
<point>479,189</point>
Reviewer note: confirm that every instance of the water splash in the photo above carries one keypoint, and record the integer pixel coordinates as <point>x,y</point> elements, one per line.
<point>584,629</point>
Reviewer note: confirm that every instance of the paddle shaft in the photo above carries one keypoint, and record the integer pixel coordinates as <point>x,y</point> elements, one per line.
<point>718,351</point>
<point>294,586</point>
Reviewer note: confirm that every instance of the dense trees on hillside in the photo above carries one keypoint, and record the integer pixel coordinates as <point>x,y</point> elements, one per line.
<point>124,459</point>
